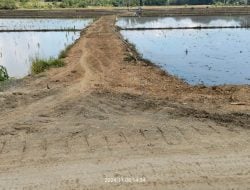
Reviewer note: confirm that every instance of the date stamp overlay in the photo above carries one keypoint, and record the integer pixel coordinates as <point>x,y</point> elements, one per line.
<point>124,179</point>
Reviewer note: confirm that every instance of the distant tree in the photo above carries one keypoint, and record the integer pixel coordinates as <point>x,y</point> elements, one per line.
<point>8,4</point>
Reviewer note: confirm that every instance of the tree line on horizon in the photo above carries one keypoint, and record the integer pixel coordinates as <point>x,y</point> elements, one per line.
<point>154,2</point>
<point>12,4</point>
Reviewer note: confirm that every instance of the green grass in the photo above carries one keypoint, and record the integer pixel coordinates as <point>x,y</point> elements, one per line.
<point>3,73</point>
<point>40,65</point>
<point>64,53</point>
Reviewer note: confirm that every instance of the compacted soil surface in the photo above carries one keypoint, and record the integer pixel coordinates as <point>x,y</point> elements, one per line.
<point>109,120</point>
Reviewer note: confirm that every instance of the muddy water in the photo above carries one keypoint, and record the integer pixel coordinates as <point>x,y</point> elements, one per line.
<point>211,57</point>
<point>192,21</point>
<point>18,49</point>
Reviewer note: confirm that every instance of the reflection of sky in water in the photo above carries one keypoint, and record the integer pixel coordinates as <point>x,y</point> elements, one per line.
<point>212,56</point>
<point>19,24</point>
<point>192,21</point>
<point>18,49</point>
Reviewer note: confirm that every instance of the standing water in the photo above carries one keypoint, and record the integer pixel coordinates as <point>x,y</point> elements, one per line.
<point>191,21</point>
<point>207,56</point>
<point>18,49</point>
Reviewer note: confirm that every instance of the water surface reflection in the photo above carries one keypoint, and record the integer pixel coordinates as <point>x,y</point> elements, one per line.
<point>17,49</point>
<point>191,21</point>
<point>211,57</point>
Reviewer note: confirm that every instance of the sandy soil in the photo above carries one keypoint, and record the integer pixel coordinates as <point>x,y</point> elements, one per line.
<point>108,114</point>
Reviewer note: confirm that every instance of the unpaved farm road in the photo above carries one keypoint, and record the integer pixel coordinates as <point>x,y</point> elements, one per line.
<point>108,114</point>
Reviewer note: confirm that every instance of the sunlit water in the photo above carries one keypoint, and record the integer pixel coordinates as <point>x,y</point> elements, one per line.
<point>211,56</point>
<point>191,21</point>
<point>35,24</point>
<point>18,49</point>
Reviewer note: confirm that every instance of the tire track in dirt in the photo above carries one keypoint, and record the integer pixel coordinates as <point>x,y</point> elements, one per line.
<point>163,136</point>
<point>3,146</point>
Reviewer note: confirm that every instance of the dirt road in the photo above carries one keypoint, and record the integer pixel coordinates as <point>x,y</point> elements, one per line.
<point>109,116</point>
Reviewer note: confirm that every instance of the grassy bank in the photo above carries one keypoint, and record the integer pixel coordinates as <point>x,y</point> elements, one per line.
<point>147,11</point>
<point>40,65</point>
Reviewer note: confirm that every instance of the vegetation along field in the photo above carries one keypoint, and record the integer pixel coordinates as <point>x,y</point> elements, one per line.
<point>117,94</point>
<point>13,4</point>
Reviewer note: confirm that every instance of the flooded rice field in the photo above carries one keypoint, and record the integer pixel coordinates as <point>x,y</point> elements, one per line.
<point>18,49</point>
<point>43,24</point>
<point>181,21</point>
<point>206,56</point>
